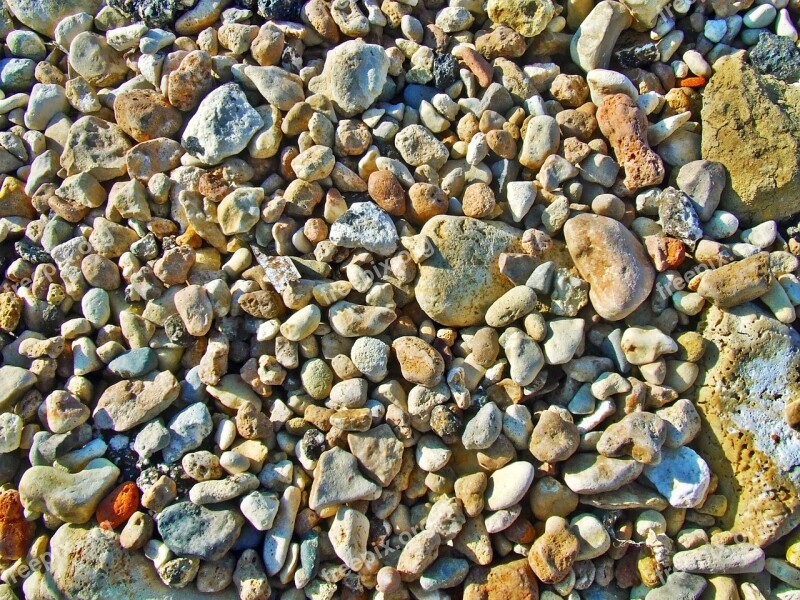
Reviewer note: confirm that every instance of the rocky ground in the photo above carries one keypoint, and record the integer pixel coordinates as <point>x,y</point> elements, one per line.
<point>404,299</point>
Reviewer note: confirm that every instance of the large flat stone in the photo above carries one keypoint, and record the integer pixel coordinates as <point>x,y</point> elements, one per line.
<point>752,369</point>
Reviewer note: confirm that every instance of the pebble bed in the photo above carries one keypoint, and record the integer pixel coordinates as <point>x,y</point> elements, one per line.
<point>395,299</point>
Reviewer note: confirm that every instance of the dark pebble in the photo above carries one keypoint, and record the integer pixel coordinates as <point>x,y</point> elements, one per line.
<point>777,56</point>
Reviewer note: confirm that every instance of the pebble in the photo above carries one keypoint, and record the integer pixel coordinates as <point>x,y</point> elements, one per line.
<point>553,553</point>
<point>419,362</point>
<point>508,485</point>
<point>713,559</point>
<point>593,539</point>
<point>365,225</point>
<point>188,429</point>
<point>126,404</point>
<point>348,536</point>
<point>682,477</point>
<point>338,481</point>
<point>180,525</point>
<point>379,452</point>
<point>736,283</point>
<point>482,430</point>
<point>555,438</point>
<point>592,474</point>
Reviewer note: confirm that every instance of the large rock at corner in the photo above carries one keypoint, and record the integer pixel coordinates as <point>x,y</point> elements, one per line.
<point>462,278</point>
<point>751,124</point>
<point>88,563</point>
<point>752,370</point>
<point>353,76</point>
<point>44,15</point>
<point>614,263</point>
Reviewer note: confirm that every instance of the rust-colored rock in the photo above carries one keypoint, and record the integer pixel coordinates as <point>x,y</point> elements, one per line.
<point>510,581</point>
<point>625,125</point>
<point>191,81</point>
<point>15,531</point>
<point>116,508</point>
<point>388,193</point>
<point>263,304</point>
<point>427,201</point>
<point>145,115</point>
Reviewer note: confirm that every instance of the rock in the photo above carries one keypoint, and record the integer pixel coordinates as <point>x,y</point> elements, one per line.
<point>680,585</point>
<point>514,304</point>
<point>682,477</point>
<point>445,573</point>
<point>593,43</point>
<point>96,147</point>
<point>553,553</point>
<point>348,536</point>
<point>371,357</point>
<point>134,363</point>
<point>483,429</point>
<point>614,263</point>
<point>260,508</point>
<point>593,474</point>
<point>645,12</point>
<point>97,62</point>
<point>446,518</point>
<point>593,539</point>
<point>192,530</point>
<point>146,115</point>
<point>353,320</point>
<point>353,76</point>
<point>71,497</point>
<point>116,508</point>
<point>44,15</point>
<point>14,382</point>
<point>188,429</point>
<point>365,225</point>
<point>542,137</point>
<point>280,88</point>
<point>418,146</point>
<point>378,451</point>
<point>16,533</point>
<point>677,216</point>
<point>508,485</point>
<point>222,125</point>
<point>337,481</point>
<point>638,434</point>
<point>191,81</point>
<point>419,361</point>
<point>527,17</point>
<point>278,539</point>
<point>703,181</point>
<point>554,438</point>
<point>625,125</point>
<point>736,283</point>
<point>418,554</point>
<point>754,357</point>
<point>563,338</point>
<point>432,453</point>
<point>776,55</point>
<point>88,563</point>
<point>126,404</point>
<point>462,278</point>
<point>756,138</point>
<point>512,580</point>
<point>715,559</point>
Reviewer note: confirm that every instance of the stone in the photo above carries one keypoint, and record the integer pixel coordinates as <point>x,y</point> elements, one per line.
<point>44,15</point>
<point>337,481</point>
<point>71,497</point>
<point>222,125</point>
<point>14,382</point>
<point>462,278</point>
<point>483,429</point>
<point>715,559</point>
<point>378,452</point>
<point>593,539</point>
<point>554,438</point>
<point>542,137</point>
<point>420,362</point>
<point>512,580</point>
<point>365,225</point>
<point>16,533</point>
<point>645,12</point>
<point>432,453</point>
<point>418,146</point>
<point>126,404</point>
<point>192,530</point>
<point>445,573</point>
<point>353,76</point>
<point>682,477</point>
<point>116,508</point>
<point>703,181</point>
<point>593,42</point>
<point>371,357</point>
<point>638,434</point>
<point>776,55</point>
<point>508,485</point>
<point>756,134</point>
<point>737,283</point>
<point>753,356</point>
<point>146,115</point>
<point>278,539</point>
<point>97,62</point>
<point>353,320</point>
<point>348,535</point>
<point>96,147</point>
<point>134,363</point>
<point>614,263</point>
<point>680,585</point>
<point>88,562</point>
<point>527,17</point>
<point>593,474</point>
<point>418,554</point>
<point>625,125</point>
<point>553,553</point>
<point>188,429</point>
<point>281,89</point>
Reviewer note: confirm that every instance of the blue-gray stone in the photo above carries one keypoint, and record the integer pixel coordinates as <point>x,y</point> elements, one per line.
<point>192,389</point>
<point>134,363</point>
<point>17,74</point>
<point>444,573</point>
<point>414,94</point>
<point>777,56</point>
<point>188,429</point>
<point>189,529</point>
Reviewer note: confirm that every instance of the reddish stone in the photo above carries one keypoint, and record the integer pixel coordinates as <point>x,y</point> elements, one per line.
<point>116,508</point>
<point>666,252</point>
<point>693,82</point>
<point>15,531</point>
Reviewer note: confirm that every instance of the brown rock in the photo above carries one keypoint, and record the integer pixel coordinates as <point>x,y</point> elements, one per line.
<point>126,404</point>
<point>191,81</point>
<point>388,193</point>
<point>419,361</point>
<point>500,41</point>
<point>14,202</point>
<point>15,532</point>
<point>145,115</point>
<point>427,201</point>
<point>625,125</point>
<point>511,581</point>
<point>478,201</point>
<point>100,272</point>
<point>614,263</point>
<point>554,439</point>
<point>737,283</point>
<point>173,267</point>
<point>263,304</point>
<point>553,553</point>
<point>10,311</point>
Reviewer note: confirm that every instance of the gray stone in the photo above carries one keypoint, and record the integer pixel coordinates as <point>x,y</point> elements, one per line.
<point>337,481</point>
<point>188,430</point>
<point>703,181</point>
<point>365,225</point>
<point>134,363</point>
<point>192,530</point>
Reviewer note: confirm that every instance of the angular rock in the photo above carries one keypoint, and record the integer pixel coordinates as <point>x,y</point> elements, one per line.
<point>365,225</point>
<point>378,451</point>
<point>337,481</point>
<point>751,124</point>
<point>512,580</point>
<point>526,17</point>
<point>126,404</point>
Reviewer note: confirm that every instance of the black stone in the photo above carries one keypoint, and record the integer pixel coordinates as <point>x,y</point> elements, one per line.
<point>176,331</point>
<point>155,13</point>
<point>777,56</point>
<point>313,443</point>
<point>282,10</point>
<point>445,70</point>
<point>635,57</point>
<point>32,253</point>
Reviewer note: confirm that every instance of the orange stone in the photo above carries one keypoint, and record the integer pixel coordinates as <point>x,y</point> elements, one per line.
<point>116,508</point>
<point>15,531</point>
<point>693,82</point>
